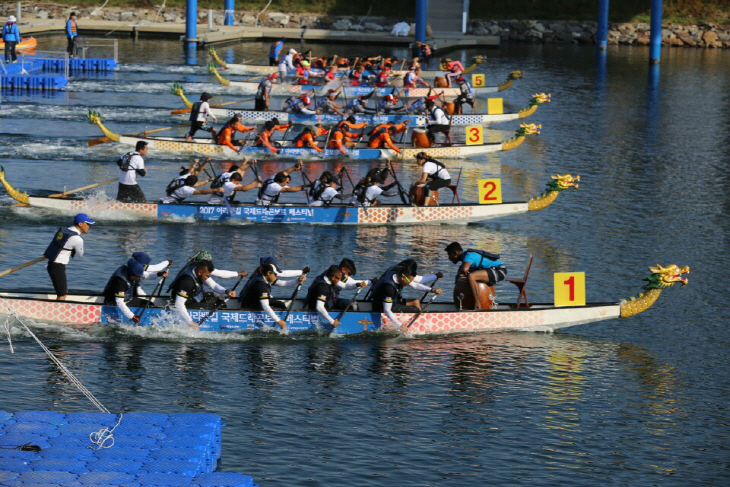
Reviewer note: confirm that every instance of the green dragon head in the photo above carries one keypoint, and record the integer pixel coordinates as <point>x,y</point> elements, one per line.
<point>94,117</point>
<point>663,277</point>
<point>561,182</point>
<point>517,74</point>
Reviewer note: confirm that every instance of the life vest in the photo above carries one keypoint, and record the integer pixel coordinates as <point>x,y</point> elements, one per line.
<point>434,111</point>
<point>73,26</point>
<point>378,290</point>
<point>440,166</point>
<point>123,274</point>
<point>312,296</point>
<point>58,244</point>
<point>222,179</point>
<point>275,48</point>
<point>382,79</point>
<point>316,190</point>
<point>299,138</point>
<point>318,63</point>
<point>174,185</point>
<point>124,162</point>
<point>465,88</point>
<point>195,111</point>
<point>294,103</point>
<point>188,270</point>
<point>248,298</point>
<point>377,133</point>
<point>262,192</point>
<point>410,79</point>
<point>492,259</point>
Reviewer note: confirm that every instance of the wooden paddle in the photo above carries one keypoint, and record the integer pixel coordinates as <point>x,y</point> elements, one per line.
<point>21,266</point>
<point>104,140</point>
<point>187,110</point>
<point>72,191</point>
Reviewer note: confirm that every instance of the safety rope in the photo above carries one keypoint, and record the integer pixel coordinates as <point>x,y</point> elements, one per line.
<point>102,437</point>
<point>10,340</point>
<point>69,375</point>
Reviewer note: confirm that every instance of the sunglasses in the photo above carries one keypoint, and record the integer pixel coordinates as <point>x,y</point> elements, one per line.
<point>406,278</point>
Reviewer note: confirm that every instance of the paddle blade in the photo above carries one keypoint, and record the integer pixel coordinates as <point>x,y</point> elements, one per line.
<point>184,110</point>
<point>100,140</point>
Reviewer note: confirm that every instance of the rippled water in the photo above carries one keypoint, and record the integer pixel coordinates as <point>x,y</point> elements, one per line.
<point>639,402</point>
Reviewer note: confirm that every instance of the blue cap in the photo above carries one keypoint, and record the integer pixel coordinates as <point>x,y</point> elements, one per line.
<point>269,260</point>
<point>134,268</point>
<point>142,258</point>
<point>83,218</point>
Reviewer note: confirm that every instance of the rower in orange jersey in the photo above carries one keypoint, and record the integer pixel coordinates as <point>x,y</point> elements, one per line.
<point>348,126</point>
<point>263,139</point>
<point>397,129</point>
<point>306,138</point>
<point>341,137</point>
<point>226,135</point>
<point>381,138</point>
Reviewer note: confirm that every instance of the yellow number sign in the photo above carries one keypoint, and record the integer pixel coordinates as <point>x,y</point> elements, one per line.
<point>490,191</point>
<point>474,135</point>
<point>495,106</point>
<point>570,288</point>
<point>477,80</point>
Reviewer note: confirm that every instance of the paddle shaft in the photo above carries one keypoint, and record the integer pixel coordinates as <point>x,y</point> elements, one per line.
<point>157,290</point>
<point>293,298</point>
<point>21,266</point>
<point>89,186</point>
<point>419,312</point>
<point>349,305</point>
<point>404,196</point>
<point>432,286</point>
<point>216,308</point>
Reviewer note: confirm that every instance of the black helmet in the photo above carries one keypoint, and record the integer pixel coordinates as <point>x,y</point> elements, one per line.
<point>421,155</point>
<point>206,96</point>
<point>351,119</point>
<point>348,264</point>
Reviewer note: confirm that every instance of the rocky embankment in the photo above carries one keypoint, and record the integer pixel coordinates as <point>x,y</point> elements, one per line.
<point>688,35</point>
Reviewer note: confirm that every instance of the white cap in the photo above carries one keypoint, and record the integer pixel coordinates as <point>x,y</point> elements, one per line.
<point>12,19</point>
<point>292,51</point>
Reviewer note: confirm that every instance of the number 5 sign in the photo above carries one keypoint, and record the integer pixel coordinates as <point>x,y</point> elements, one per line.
<point>477,80</point>
<point>490,191</point>
<point>570,288</point>
<point>474,135</point>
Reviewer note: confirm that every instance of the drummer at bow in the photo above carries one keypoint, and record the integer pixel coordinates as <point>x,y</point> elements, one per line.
<point>477,266</point>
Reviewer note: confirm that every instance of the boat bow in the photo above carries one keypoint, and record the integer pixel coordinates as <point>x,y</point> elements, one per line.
<point>221,79</point>
<point>536,100</point>
<point>95,119</point>
<point>510,79</point>
<point>524,130</point>
<point>178,90</point>
<point>216,57</point>
<point>660,279</point>
<point>558,183</point>
<point>17,195</point>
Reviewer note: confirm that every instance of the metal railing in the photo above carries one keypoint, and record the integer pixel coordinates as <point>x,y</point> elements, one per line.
<point>41,55</point>
<point>102,43</point>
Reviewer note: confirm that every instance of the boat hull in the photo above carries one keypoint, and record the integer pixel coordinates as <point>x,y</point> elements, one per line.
<point>333,215</point>
<point>83,311</point>
<point>266,70</point>
<point>287,89</point>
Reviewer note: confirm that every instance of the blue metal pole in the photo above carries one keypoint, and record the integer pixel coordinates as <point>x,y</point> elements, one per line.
<point>655,38</point>
<point>230,8</point>
<point>191,30</point>
<point>421,19</point>
<point>602,24</point>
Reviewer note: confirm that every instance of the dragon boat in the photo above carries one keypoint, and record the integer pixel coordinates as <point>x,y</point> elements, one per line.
<point>266,69</point>
<point>290,89</point>
<point>360,151</point>
<point>87,309</point>
<point>254,116</point>
<point>335,214</point>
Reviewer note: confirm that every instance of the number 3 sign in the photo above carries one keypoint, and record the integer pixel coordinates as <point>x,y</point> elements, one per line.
<point>474,135</point>
<point>570,288</point>
<point>490,191</point>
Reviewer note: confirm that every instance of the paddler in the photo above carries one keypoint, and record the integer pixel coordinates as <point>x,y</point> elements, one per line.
<point>303,73</point>
<point>412,79</point>
<point>187,288</point>
<point>263,139</point>
<point>453,69</point>
<point>386,294</point>
<point>367,194</point>
<point>263,93</point>
<point>356,76</point>
<point>272,188</point>
<point>388,104</point>
<point>323,191</point>
<point>433,173</point>
<point>466,95</point>
<point>327,105</point>
<point>183,186</point>
<point>348,282</point>
<point>66,244</point>
<point>321,295</point>
<point>229,189</point>
<point>382,78</point>
<point>341,138</point>
<point>331,73</point>
<point>286,65</point>
<point>437,122</point>
<point>477,266</point>
<point>131,165</point>
<point>229,130</point>
<point>144,259</point>
<point>306,139</point>
<point>124,285</point>
<point>199,113</point>
<point>258,294</point>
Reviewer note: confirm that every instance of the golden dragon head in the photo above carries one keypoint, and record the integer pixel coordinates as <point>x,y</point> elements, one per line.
<point>528,129</point>
<point>563,181</point>
<point>516,74</point>
<point>480,58</point>
<point>177,89</point>
<point>540,98</point>
<point>663,277</point>
<point>94,117</point>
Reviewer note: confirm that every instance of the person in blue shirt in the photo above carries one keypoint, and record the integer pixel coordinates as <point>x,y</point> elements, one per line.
<point>274,51</point>
<point>71,33</point>
<point>477,266</point>
<point>11,38</point>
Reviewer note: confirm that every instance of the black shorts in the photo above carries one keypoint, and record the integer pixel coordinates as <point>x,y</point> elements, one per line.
<point>273,61</point>
<point>57,272</point>
<point>260,105</point>
<point>496,274</point>
<point>435,184</point>
<point>195,126</point>
<point>130,193</point>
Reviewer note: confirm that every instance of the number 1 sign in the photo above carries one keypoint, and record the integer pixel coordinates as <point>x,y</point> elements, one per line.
<point>490,191</point>
<point>569,288</point>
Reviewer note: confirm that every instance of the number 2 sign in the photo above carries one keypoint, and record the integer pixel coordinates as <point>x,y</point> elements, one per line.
<point>490,191</point>
<point>569,288</point>
<point>474,135</point>
<point>477,80</point>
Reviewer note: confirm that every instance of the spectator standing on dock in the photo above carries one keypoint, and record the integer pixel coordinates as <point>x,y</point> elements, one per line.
<point>71,34</point>
<point>274,51</point>
<point>131,165</point>
<point>66,244</point>
<point>11,38</point>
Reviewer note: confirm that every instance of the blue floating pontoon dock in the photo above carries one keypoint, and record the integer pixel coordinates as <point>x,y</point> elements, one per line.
<point>148,449</point>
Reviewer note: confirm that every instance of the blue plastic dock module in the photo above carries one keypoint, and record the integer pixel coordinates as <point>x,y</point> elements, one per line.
<point>32,82</point>
<point>77,65</point>
<point>180,450</point>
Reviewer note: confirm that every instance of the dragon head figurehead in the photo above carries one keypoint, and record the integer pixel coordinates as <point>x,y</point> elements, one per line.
<point>177,89</point>
<point>516,74</point>
<point>663,277</point>
<point>557,183</point>
<point>16,194</point>
<point>540,98</point>
<point>660,278</point>
<point>480,58</point>
<point>528,129</point>
<point>94,118</point>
